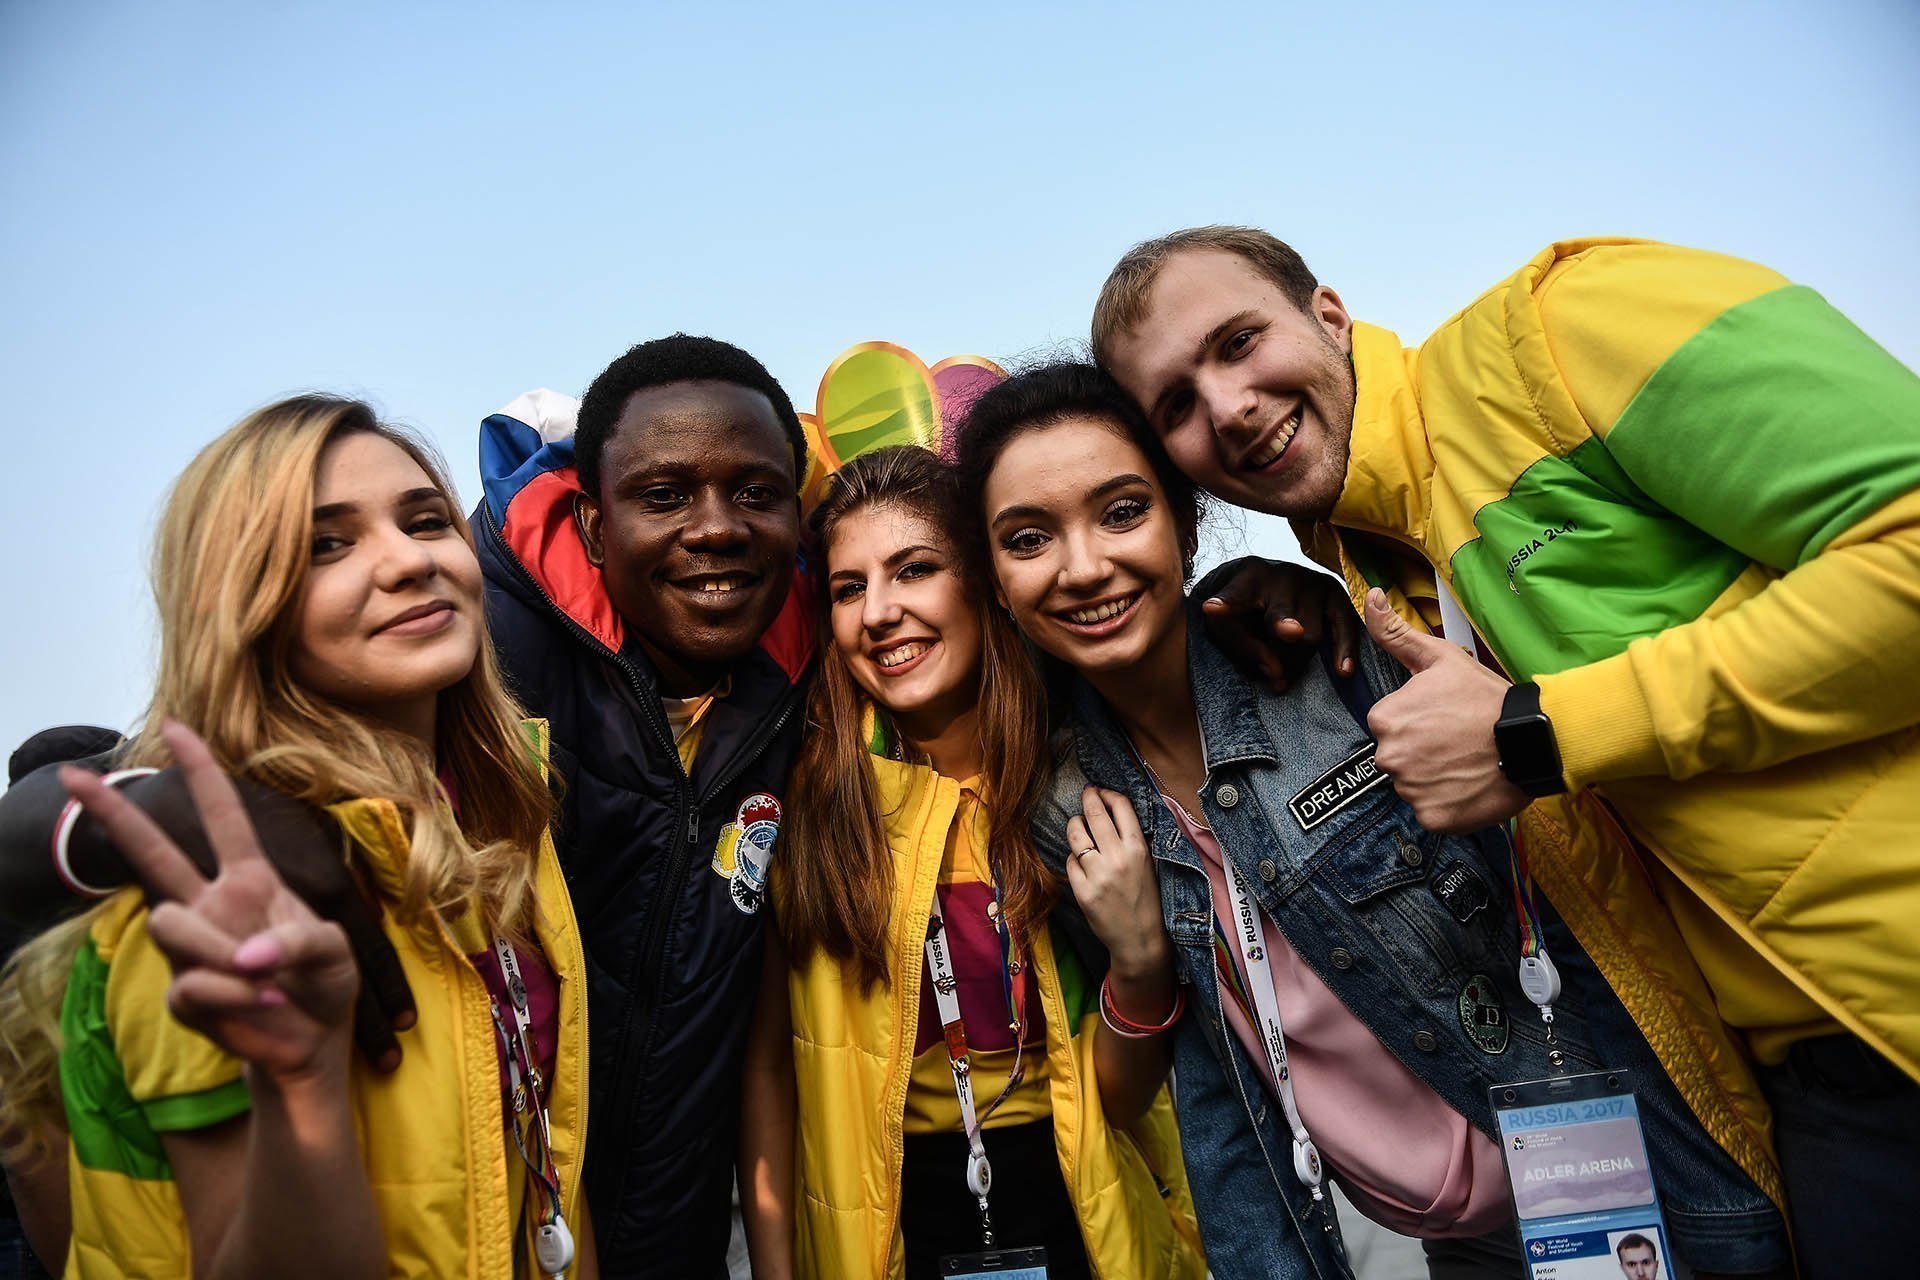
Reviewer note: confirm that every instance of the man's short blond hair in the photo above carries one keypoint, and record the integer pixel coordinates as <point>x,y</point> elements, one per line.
<point>1123,298</point>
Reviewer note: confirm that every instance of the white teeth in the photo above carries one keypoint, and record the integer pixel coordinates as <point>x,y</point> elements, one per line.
<point>1100,613</point>
<point>905,653</point>
<point>714,585</point>
<point>1278,444</point>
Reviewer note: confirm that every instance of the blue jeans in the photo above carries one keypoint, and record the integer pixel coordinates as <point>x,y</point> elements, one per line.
<point>1846,1124</point>
<point>17,1260</point>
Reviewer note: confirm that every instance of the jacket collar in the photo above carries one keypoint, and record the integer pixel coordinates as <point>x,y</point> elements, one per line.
<point>374,823</point>
<point>1389,483</point>
<point>529,481</point>
<point>1231,730</point>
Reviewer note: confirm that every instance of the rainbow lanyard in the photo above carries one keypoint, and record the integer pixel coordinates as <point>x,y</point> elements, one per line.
<point>1539,980</point>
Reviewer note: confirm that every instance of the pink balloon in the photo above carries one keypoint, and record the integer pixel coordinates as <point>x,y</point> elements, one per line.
<point>958,386</point>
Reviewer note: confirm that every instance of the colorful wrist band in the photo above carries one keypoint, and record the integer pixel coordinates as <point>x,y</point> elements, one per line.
<point>63,834</point>
<point>1126,1028</point>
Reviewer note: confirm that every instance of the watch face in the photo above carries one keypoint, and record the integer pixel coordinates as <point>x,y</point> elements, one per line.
<point>1529,756</point>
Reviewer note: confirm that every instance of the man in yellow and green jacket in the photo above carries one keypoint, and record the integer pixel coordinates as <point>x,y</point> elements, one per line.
<point>1678,499</point>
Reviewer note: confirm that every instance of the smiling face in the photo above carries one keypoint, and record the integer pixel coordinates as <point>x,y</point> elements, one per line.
<point>1086,551</point>
<point>902,617</point>
<point>1253,396</point>
<point>389,613</point>
<point>696,525</point>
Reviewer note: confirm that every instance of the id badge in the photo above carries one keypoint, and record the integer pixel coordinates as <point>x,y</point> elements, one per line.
<point>1581,1184</point>
<point>1001,1264</point>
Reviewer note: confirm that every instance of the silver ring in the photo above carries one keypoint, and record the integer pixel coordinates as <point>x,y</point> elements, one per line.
<point>1081,853</point>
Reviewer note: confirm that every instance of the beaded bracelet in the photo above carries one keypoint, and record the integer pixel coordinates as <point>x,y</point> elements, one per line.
<point>1122,1026</point>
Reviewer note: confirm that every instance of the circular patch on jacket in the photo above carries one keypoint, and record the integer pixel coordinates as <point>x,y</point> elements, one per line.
<point>759,807</point>
<point>745,850</point>
<point>1483,1015</point>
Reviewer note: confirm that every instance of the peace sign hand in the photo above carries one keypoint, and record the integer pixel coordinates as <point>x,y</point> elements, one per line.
<point>254,970</point>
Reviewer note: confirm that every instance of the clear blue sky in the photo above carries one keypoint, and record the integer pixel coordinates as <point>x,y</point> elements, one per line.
<point>438,206</point>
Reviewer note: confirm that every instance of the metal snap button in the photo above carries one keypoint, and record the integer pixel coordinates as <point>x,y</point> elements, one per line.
<point>1425,1041</point>
<point>1226,795</point>
<point>1410,852</point>
<point>1268,869</point>
<point>1340,958</point>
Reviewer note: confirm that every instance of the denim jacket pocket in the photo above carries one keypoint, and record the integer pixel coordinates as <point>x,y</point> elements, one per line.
<point>1370,856</point>
<point>1430,902</point>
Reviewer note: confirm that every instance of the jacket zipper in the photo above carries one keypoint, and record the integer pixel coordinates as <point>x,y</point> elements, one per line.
<point>676,877</point>
<point>656,719</point>
<point>633,1064</point>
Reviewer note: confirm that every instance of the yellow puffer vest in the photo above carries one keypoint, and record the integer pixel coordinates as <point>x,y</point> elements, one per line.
<point>432,1133</point>
<point>853,1054</point>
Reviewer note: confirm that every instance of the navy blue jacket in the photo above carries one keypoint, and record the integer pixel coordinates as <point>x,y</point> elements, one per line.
<point>667,871</point>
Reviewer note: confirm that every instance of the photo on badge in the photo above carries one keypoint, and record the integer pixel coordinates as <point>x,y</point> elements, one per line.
<point>1581,1183</point>
<point>1001,1264</point>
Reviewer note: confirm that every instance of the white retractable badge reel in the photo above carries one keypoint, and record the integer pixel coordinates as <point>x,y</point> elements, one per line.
<point>1577,1165</point>
<point>553,1246</point>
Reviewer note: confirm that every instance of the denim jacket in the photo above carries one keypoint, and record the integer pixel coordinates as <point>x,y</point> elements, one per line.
<point>1399,923</point>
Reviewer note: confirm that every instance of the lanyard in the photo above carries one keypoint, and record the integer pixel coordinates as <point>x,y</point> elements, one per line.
<point>1250,941</point>
<point>1454,621</point>
<point>946,995</point>
<point>1539,980</point>
<point>552,1240</point>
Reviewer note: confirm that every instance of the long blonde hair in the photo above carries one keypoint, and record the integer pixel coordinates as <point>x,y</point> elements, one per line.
<point>229,566</point>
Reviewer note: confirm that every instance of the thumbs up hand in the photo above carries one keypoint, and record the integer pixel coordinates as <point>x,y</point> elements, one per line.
<point>1435,733</point>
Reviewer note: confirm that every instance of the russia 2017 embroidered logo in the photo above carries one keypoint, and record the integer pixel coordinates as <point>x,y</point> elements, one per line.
<point>746,848</point>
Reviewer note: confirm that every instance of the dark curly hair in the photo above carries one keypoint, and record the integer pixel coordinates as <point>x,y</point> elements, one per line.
<point>1044,396</point>
<point>681,357</point>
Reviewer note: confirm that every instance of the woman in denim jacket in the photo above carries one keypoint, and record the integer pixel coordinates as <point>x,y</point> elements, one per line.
<point>1287,862</point>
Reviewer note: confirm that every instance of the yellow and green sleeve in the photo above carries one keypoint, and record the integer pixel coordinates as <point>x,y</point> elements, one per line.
<point>1725,401</point>
<point>129,1071</point>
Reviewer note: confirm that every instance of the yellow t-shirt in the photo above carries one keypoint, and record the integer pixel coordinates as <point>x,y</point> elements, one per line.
<point>684,716</point>
<point>967,901</point>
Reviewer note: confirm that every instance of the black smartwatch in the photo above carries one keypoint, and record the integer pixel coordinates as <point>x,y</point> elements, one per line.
<point>1529,756</point>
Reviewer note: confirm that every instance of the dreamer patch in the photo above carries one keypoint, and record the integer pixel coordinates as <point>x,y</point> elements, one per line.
<point>1337,788</point>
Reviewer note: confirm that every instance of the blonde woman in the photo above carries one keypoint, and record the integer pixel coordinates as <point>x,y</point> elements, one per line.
<point>322,635</point>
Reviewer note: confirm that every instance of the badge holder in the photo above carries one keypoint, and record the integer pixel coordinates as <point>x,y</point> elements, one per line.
<point>1002,1264</point>
<point>1577,1167</point>
<point>1582,1187</point>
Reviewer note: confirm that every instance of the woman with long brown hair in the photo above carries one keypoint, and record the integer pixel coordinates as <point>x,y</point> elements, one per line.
<point>958,1091</point>
<point>322,635</point>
